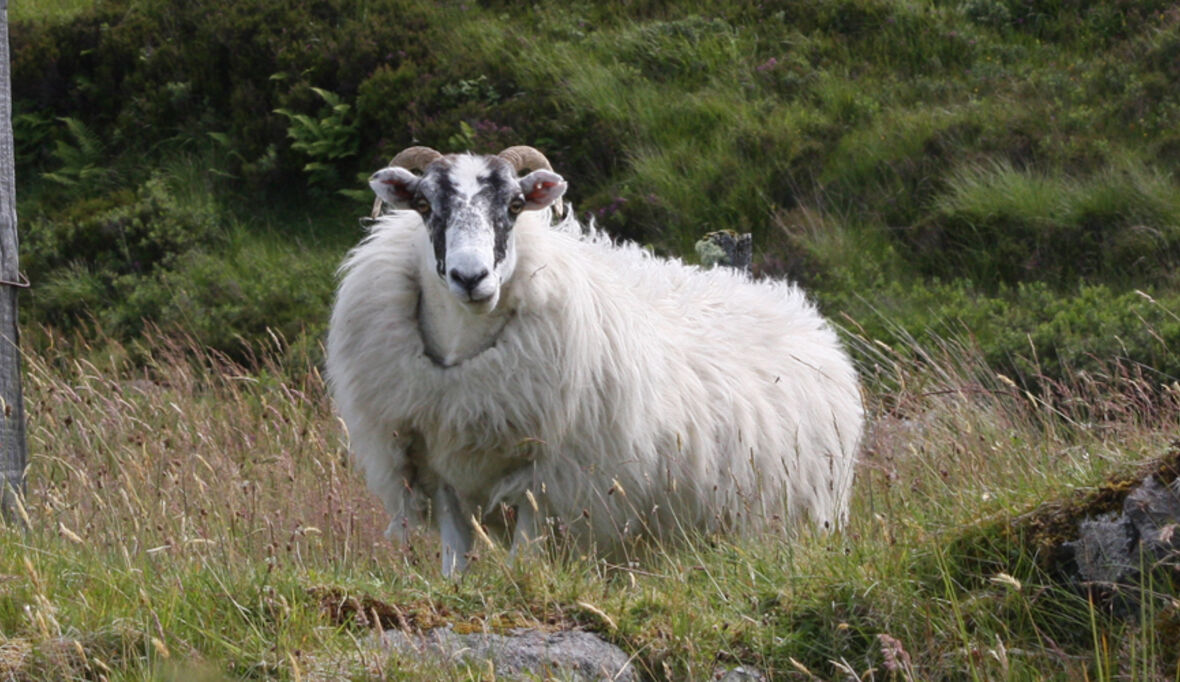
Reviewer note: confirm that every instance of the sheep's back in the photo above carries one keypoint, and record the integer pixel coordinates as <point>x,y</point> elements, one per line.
<point>723,400</point>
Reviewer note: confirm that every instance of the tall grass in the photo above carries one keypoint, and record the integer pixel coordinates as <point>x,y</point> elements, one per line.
<point>172,495</point>
<point>191,516</point>
<point>997,223</point>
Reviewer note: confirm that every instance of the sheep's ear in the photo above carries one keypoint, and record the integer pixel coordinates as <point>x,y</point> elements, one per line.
<point>541,188</point>
<point>394,185</point>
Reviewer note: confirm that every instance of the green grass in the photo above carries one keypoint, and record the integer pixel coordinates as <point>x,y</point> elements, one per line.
<point>877,149</point>
<point>985,192</point>
<point>998,224</point>
<point>189,516</point>
<point>46,10</point>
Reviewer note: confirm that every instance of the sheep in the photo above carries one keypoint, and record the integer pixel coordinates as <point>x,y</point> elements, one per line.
<point>483,360</point>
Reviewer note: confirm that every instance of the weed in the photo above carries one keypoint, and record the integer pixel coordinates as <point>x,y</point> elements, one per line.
<point>325,140</point>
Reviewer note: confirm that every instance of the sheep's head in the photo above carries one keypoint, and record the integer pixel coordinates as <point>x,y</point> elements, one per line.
<point>470,205</point>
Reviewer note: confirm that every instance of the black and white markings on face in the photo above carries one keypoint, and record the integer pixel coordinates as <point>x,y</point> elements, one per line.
<point>470,199</point>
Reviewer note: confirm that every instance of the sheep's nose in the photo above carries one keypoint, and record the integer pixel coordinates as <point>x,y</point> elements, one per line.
<point>468,282</point>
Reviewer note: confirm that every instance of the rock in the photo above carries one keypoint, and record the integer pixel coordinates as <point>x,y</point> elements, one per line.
<point>726,247</point>
<point>1112,550</point>
<point>1103,549</point>
<point>1153,509</point>
<point>521,652</point>
<point>742,673</point>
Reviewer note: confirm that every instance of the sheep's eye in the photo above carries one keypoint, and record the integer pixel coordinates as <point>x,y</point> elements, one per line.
<point>516,206</point>
<point>422,206</point>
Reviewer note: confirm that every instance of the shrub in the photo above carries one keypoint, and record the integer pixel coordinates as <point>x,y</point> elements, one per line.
<point>96,253</point>
<point>148,71</point>
<point>331,137</point>
<point>31,133</point>
<point>233,302</point>
<point>80,159</point>
<point>121,232</point>
<point>129,260</point>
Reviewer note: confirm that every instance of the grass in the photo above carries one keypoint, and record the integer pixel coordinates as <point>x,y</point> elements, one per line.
<point>46,10</point>
<point>998,224</point>
<point>878,150</point>
<point>172,506</point>
<point>188,517</point>
<point>985,192</point>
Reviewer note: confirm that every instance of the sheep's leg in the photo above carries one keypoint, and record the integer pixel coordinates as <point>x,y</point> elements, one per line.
<point>454,528</point>
<point>391,473</point>
<point>525,533</point>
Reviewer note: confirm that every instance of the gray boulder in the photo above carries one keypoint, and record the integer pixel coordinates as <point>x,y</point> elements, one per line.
<point>521,653</point>
<point>1113,551</point>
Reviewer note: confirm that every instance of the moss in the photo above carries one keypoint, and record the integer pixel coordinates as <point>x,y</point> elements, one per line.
<point>1035,541</point>
<point>1044,530</point>
<point>342,607</point>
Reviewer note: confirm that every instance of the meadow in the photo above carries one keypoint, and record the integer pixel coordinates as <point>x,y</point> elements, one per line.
<point>191,518</point>
<point>982,195</point>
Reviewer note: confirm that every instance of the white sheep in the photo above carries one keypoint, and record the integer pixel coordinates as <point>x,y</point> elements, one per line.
<point>484,360</point>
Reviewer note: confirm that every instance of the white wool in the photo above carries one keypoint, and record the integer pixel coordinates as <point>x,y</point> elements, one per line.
<point>627,393</point>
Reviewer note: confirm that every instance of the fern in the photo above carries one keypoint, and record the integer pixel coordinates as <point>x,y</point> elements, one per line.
<point>323,140</point>
<point>81,158</point>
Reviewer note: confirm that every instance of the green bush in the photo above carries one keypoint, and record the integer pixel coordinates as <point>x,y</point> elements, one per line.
<point>90,259</point>
<point>80,159</point>
<point>233,302</point>
<point>148,71</point>
<point>1090,23</point>
<point>324,139</point>
<point>127,260</point>
<point>122,232</point>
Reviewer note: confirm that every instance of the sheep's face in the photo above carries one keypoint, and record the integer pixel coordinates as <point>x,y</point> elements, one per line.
<point>469,205</point>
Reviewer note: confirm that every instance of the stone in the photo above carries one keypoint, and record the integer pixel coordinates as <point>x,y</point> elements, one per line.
<point>520,653</point>
<point>742,673</point>
<point>1104,548</point>
<point>726,247</point>
<point>1153,509</point>
<point>1112,550</point>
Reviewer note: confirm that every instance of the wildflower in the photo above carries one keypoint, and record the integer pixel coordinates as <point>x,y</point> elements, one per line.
<point>896,657</point>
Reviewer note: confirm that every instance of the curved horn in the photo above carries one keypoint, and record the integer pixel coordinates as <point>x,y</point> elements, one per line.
<point>410,158</point>
<point>523,157</point>
<point>415,158</point>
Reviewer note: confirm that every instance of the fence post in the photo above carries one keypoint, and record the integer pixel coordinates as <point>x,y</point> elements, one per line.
<point>12,418</point>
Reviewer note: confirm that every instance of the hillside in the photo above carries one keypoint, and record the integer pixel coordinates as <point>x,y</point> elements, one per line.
<point>1005,168</point>
<point>983,194</point>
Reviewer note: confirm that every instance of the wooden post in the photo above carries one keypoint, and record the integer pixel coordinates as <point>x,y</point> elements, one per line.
<point>12,418</point>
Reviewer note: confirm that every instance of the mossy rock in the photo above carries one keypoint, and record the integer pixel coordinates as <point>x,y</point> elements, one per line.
<point>1045,531</point>
<point>1043,534</point>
